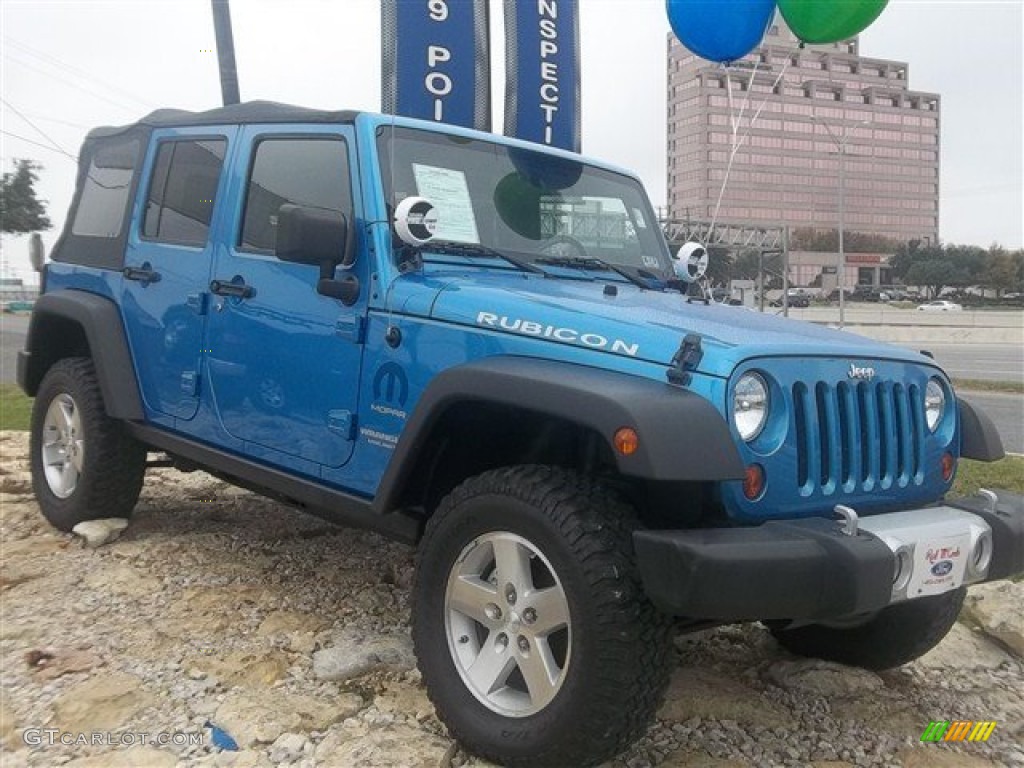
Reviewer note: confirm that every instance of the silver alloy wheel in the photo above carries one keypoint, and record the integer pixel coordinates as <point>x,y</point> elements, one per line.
<point>508,624</point>
<point>63,446</point>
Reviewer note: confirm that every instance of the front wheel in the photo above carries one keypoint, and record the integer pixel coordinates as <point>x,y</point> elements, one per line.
<point>84,465</point>
<point>536,643</point>
<point>895,635</point>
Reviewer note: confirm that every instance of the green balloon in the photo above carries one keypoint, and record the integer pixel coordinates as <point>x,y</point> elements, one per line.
<point>829,21</point>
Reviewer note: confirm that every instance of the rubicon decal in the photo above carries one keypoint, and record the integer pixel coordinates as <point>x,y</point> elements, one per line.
<point>558,333</point>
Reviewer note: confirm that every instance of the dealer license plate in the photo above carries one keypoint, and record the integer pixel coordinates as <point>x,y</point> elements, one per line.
<point>939,566</point>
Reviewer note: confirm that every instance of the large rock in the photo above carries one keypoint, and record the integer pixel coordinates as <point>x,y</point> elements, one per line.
<point>131,757</point>
<point>703,693</point>
<point>96,533</point>
<point>383,747</point>
<point>998,608</point>
<point>823,678</point>
<point>354,653</point>
<point>102,703</point>
<point>244,668</point>
<point>261,716</point>
<point>966,649</point>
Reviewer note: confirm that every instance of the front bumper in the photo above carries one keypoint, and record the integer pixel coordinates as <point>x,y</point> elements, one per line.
<point>813,569</point>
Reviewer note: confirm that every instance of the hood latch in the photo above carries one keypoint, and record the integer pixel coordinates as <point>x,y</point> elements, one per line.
<point>686,359</point>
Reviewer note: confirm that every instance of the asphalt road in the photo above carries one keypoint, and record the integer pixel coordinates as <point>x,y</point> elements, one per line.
<point>969,361</point>
<point>1007,411</point>
<point>991,362</point>
<point>13,329</point>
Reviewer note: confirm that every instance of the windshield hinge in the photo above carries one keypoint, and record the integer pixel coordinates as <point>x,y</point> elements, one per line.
<point>686,359</point>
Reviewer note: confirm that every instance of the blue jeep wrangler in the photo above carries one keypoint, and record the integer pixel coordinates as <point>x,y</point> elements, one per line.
<point>479,346</point>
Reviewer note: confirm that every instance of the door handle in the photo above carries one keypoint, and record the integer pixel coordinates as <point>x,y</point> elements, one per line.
<point>227,288</point>
<point>144,274</point>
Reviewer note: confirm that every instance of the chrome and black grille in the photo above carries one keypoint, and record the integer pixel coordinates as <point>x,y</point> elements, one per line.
<point>858,436</point>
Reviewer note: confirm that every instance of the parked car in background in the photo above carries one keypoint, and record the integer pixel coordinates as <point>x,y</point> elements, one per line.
<point>941,305</point>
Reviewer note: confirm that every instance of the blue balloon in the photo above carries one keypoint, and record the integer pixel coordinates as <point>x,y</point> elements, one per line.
<point>720,30</point>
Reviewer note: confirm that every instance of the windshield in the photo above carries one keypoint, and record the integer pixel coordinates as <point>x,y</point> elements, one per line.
<point>542,208</point>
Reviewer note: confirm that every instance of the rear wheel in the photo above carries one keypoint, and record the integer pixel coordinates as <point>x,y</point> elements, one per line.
<point>84,465</point>
<point>536,643</point>
<point>895,635</point>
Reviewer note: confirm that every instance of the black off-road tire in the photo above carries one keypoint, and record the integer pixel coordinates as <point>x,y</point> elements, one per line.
<point>113,463</point>
<point>895,636</point>
<point>620,644</point>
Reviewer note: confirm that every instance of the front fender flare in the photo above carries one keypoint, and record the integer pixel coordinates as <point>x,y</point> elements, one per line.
<point>682,435</point>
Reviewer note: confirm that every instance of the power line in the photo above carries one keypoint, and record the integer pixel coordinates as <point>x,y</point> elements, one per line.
<point>38,144</point>
<point>37,129</point>
<point>53,61</point>
<point>37,70</point>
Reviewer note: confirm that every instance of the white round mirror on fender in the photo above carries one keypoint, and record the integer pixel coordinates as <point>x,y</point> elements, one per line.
<point>690,262</point>
<point>416,221</point>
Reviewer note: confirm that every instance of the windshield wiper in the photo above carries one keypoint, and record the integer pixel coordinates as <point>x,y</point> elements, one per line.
<point>476,249</point>
<point>638,278</point>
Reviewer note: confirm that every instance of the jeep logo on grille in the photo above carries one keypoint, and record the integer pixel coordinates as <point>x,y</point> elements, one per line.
<point>856,372</point>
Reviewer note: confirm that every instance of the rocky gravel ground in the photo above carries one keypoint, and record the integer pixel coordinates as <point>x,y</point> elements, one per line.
<point>219,614</point>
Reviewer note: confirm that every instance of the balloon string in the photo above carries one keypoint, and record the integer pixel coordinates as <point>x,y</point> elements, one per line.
<point>735,121</point>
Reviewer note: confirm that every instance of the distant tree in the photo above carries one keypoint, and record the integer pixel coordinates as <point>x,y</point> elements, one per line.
<point>1000,271</point>
<point>20,210</point>
<point>827,240</point>
<point>937,267</point>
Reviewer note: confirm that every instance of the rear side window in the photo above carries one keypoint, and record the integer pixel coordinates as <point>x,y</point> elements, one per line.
<point>311,172</point>
<point>182,191</point>
<point>102,205</point>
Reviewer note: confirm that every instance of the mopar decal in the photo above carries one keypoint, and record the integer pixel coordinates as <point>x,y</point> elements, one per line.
<point>571,335</point>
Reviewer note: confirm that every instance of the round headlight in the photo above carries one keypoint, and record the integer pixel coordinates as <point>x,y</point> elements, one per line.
<point>934,403</point>
<point>750,405</point>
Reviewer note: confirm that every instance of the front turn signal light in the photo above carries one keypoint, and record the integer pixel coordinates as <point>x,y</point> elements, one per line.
<point>627,442</point>
<point>753,481</point>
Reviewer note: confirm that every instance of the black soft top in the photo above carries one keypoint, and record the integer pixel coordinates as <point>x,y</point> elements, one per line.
<point>246,112</point>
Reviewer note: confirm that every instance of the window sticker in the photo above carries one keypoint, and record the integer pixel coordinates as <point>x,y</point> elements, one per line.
<point>448,191</point>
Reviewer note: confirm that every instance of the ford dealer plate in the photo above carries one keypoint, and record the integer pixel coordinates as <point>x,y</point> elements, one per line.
<point>939,565</point>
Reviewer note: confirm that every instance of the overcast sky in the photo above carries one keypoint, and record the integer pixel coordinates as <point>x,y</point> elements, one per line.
<point>69,66</point>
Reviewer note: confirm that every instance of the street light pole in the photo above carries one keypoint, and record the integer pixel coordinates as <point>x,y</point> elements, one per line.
<point>841,142</point>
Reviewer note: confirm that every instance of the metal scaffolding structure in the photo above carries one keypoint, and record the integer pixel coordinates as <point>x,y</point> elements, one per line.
<point>726,233</point>
<point>768,241</point>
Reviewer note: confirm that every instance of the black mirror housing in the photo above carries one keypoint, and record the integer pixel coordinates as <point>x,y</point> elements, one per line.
<point>311,236</point>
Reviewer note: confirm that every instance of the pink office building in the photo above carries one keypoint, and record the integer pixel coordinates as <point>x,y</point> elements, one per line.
<point>786,171</point>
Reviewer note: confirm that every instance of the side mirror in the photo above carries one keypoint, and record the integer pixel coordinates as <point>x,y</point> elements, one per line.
<point>311,236</point>
<point>415,221</point>
<point>36,252</point>
<point>314,236</point>
<point>691,262</point>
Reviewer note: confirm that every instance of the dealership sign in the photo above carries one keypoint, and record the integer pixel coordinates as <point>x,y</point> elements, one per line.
<point>436,61</point>
<point>436,66</point>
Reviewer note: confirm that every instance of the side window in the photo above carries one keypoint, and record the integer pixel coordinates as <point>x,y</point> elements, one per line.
<point>181,193</point>
<point>311,172</point>
<point>101,208</point>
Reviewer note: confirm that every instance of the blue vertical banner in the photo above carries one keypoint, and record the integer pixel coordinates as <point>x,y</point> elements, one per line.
<point>542,60</point>
<point>436,61</point>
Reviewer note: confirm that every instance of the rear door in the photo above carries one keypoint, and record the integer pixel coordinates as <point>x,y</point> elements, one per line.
<point>284,360</point>
<point>167,264</point>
